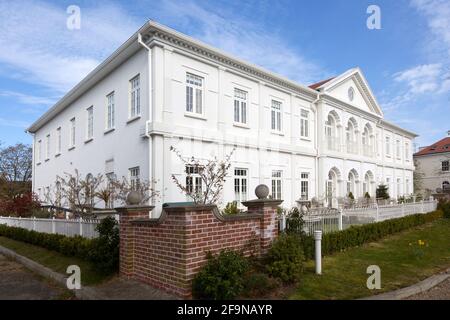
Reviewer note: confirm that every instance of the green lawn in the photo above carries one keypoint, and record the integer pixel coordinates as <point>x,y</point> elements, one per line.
<point>54,260</point>
<point>402,261</point>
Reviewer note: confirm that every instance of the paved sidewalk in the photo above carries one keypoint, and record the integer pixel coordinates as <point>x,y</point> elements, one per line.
<point>19,283</point>
<point>439,292</point>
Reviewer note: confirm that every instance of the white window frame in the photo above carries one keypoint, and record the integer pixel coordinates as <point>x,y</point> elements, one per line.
<point>194,94</point>
<point>47,147</point>
<point>135,177</point>
<point>58,141</point>
<point>39,151</point>
<point>72,137</point>
<point>304,185</point>
<point>110,111</point>
<point>240,106</point>
<point>90,123</point>
<point>388,146</point>
<point>193,180</point>
<point>397,149</point>
<point>276,119</point>
<point>240,185</point>
<point>406,151</point>
<point>277,184</point>
<point>135,97</point>
<point>304,123</point>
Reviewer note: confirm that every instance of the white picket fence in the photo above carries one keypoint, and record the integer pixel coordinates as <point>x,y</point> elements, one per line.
<point>329,220</point>
<point>67,227</point>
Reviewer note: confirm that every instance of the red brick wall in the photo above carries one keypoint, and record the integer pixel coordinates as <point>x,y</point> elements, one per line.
<point>169,251</point>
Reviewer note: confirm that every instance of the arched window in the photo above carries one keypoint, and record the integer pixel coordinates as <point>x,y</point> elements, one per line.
<point>351,136</point>
<point>351,182</point>
<point>445,185</point>
<point>367,184</point>
<point>331,185</point>
<point>331,132</point>
<point>367,141</point>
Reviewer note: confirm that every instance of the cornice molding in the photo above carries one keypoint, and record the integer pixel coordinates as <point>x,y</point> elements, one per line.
<point>226,61</point>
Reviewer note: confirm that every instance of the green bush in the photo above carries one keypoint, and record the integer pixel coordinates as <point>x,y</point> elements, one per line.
<point>231,208</point>
<point>221,277</point>
<point>358,235</point>
<point>285,257</point>
<point>102,251</point>
<point>258,284</point>
<point>105,249</point>
<point>444,206</point>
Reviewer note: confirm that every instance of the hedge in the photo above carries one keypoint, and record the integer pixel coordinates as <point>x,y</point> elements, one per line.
<point>358,235</point>
<point>103,251</point>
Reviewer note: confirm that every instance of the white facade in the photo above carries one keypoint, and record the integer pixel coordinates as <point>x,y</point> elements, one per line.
<point>205,103</point>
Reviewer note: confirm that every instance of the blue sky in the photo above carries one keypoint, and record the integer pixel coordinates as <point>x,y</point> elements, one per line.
<point>407,62</point>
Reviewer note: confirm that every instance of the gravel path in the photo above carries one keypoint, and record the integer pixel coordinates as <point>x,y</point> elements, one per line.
<point>439,292</point>
<point>18,283</point>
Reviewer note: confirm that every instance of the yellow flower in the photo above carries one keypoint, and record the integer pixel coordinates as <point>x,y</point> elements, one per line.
<point>421,243</point>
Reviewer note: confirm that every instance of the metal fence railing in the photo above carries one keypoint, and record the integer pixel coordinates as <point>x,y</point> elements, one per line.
<point>67,227</point>
<point>329,219</point>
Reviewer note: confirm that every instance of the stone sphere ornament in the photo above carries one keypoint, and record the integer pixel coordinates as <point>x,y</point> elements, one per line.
<point>262,191</point>
<point>134,198</point>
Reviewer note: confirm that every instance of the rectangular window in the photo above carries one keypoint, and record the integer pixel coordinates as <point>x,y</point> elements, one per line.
<point>276,115</point>
<point>304,186</point>
<point>110,179</point>
<point>193,179</point>
<point>72,133</point>
<point>397,147</point>
<point>445,165</point>
<point>194,93</point>
<point>47,147</point>
<point>135,96</point>
<point>58,140</point>
<point>304,123</point>
<point>240,106</point>
<point>135,177</point>
<point>90,122</point>
<point>39,151</point>
<point>240,185</point>
<point>110,111</point>
<point>407,187</point>
<point>388,145</point>
<point>276,184</point>
<point>399,188</point>
<point>407,151</point>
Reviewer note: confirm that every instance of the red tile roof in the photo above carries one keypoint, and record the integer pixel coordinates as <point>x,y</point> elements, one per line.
<point>438,147</point>
<point>318,84</point>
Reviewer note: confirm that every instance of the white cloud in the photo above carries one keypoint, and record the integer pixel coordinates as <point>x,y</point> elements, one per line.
<point>244,39</point>
<point>14,123</point>
<point>27,99</point>
<point>422,78</point>
<point>40,49</point>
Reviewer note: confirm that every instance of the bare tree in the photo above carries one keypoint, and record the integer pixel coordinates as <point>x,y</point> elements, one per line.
<point>121,189</point>
<point>78,192</point>
<point>208,175</point>
<point>15,170</point>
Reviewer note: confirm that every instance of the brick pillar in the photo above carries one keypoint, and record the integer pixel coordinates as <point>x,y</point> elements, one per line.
<point>126,234</point>
<point>269,223</point>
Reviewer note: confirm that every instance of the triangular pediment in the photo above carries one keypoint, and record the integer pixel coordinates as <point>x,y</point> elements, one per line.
<point>361,96</point>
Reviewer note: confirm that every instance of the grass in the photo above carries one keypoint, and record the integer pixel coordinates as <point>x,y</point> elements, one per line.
<point>402,261</point>
<point>55,261</point>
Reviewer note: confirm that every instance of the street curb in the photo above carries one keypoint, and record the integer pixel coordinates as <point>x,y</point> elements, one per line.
<point>417,288</point>
<point>85,293</point>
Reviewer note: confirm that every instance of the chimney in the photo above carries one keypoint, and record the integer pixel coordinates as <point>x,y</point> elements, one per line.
<point>448,133</point>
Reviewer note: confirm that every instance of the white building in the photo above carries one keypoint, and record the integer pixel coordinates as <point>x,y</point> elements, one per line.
<point>162,88</point>
<point>433,164</point>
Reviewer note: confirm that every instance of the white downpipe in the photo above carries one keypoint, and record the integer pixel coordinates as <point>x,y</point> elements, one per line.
<point>150,107</point>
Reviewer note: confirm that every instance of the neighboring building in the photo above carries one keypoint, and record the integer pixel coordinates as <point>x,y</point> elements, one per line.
<point>433,164</point>
<point>166,89</point>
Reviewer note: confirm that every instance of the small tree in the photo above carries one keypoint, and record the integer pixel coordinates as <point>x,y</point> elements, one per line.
<point>211,173</point>
<point>79,193</point>
<point>121,189</point>
<point>382,192</point>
